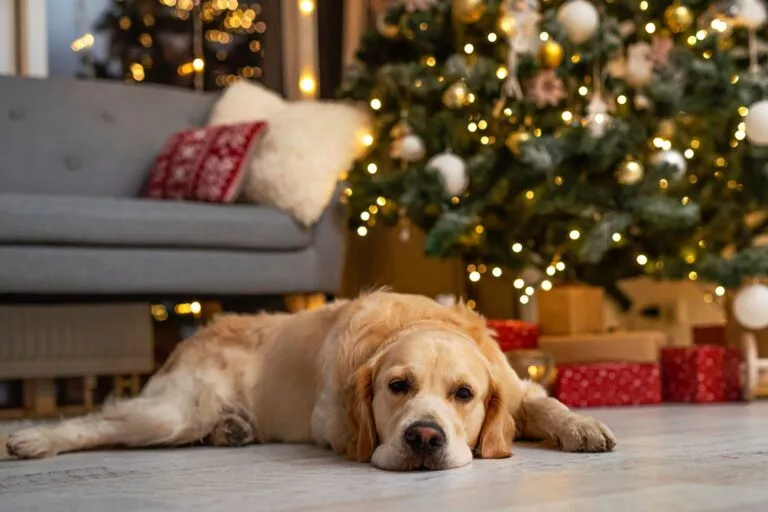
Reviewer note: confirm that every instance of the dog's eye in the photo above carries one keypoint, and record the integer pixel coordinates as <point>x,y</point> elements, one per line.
<point>464,394</point>
<point>399,386</point>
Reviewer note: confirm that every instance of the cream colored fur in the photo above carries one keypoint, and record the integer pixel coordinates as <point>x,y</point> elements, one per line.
<point>324,377</point>
<point>307,145</point>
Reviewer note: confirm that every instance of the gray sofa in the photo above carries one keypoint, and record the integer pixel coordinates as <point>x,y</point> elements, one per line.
<point>74,157</point>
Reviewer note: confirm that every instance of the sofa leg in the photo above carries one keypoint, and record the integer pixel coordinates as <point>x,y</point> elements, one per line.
<point>304,301</point>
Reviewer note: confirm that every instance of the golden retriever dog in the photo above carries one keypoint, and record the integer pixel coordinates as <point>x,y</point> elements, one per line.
<point>397,380</point>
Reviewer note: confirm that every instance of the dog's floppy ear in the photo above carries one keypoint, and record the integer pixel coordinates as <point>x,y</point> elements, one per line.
<point>362,436</point>
<point>495,440</point>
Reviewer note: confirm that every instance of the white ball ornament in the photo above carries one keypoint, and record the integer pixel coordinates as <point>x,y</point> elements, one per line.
<point>750,14</point>
<point>580,20</point>
<point>757,123</point>
<point>671,157</point>
<point>750,307</point>
<point>452,171</point>
<point>412,148</point>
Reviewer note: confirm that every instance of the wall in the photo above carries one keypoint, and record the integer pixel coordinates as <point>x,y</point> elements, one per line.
<point>65,24</point>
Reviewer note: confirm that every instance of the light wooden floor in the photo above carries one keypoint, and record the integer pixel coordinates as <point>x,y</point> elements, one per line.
<point>695,458</point>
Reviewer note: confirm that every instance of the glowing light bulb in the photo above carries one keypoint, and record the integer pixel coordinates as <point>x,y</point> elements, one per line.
<point>496,272</point>
<point>546,285</point>
<point>519,284</point>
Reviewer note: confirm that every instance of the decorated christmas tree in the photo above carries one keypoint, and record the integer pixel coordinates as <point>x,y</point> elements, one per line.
<point>594,141</point>
<point>202,44</point>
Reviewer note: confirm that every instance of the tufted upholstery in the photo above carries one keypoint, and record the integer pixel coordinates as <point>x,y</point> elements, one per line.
<point>87,138</point>
<point>73,158</point>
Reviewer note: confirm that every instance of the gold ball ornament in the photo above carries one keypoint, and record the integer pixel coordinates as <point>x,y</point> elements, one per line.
<point>468,11</point>
<point>551,54</point>
<point>456,95</point>
<point>516,140</point>
<point>507,24</point>
<point>678,18</point>
<point>630,172</point>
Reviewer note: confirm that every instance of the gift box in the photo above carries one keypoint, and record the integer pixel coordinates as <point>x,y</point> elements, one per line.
<point>701,374</point>
<point>626,347</point>
<point>515,334</point>
<point>571,309</point>
<point>608,384</point>
<point>710,335</point>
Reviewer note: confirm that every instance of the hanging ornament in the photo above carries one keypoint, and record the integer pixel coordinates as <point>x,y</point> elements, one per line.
<point>641,102</point>
<point>630,172</point>
<point>580,20</point>
<point>515,141</point>
<point>750,307</point>
<point>678,18</point>
<point>507,23</point>
<point>551,54</point>
<point>757,123</point>
<point>401,129</point>
<point>667,128</point>
<point>468,11</point>
<point>750,14</point>
<point>412,148</point>
<point>546,89</point>
<point>639,65</point>
<point>452,171</point>
<point>598,118</point>
<point>456,95</point>
<point>519,21</point>
<point>672,158</point>
<point>385,28</point>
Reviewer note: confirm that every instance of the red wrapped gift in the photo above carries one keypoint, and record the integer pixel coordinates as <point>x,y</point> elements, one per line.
<point>515,334</point>
<point>608,384</point>
<point>702,374</point>
<point>709,335</point>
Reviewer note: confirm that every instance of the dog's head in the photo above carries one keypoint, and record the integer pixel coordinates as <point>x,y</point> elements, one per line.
<point>428,400</point>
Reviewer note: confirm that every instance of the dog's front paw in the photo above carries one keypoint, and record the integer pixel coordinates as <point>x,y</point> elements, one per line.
<point>585,434</point>
<point>31,443</point>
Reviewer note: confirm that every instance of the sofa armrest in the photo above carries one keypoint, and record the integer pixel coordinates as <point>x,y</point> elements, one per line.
<point>329,244</point>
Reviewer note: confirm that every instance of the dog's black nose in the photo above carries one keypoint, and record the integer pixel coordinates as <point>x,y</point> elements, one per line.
<point>424,437</point>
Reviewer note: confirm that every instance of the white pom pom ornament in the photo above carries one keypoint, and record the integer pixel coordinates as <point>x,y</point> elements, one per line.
<point>750,14</point>
<point>580,19</point>
<point>452,171</point>
<point>757,123</point>
<point>750,307</point>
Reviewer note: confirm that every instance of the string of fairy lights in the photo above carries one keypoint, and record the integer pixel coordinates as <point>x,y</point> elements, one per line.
<point>661,141</point>
<point>239,18</point>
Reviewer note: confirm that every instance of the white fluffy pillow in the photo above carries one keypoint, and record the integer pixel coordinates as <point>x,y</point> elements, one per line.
<point>307,145</point>
<point>244,102</point>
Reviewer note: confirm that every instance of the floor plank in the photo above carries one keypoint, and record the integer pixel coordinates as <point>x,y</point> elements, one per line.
<point>682,458</point>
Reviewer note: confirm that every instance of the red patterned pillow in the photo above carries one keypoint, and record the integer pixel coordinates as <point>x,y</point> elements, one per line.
<point>204,164</point>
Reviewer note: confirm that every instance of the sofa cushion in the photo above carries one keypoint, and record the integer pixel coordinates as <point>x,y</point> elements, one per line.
<point>65,220</point>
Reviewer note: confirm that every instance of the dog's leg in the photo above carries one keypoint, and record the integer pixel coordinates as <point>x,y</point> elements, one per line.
<point>543,417</point>
<point>171,411</point>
